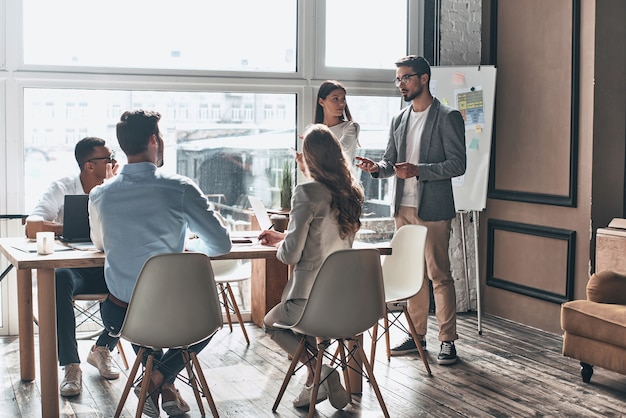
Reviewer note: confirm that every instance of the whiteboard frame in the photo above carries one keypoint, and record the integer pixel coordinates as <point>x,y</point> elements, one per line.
<point>470,190</point>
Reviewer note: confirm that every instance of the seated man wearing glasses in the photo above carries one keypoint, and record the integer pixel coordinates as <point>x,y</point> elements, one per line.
<point>96,162</point>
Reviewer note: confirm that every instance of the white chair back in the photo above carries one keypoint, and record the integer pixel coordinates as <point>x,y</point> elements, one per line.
<point>347,297</point>
<point>231,270</point>
<point>403,270</point>
<point>174,303</point>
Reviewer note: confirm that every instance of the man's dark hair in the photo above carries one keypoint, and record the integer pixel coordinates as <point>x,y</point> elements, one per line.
<point>419,64</point>
<point>135,129</point>
<point>85,148</point>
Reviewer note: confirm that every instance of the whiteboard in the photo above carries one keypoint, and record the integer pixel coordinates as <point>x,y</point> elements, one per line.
<point>472,91</point>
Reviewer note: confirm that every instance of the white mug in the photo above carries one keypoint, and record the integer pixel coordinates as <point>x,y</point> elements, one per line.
<point>45,242</point>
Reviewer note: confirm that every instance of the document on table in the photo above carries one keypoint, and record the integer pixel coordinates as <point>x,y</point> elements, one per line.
<point>31,247</point>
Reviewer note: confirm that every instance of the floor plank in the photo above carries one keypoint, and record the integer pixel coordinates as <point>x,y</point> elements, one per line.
<point>509,371</point>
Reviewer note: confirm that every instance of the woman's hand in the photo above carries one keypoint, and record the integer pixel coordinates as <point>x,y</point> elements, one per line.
<point>272,238</point>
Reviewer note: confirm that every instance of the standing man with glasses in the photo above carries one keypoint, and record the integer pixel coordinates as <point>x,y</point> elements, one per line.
<point>426,149</point>
<point>97,163</point>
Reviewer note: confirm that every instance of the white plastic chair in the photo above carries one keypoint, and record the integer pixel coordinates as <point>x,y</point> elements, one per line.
<point>403,275</point>
<point>174,305</point>
<point>347,298</point>
<point>227,272</point>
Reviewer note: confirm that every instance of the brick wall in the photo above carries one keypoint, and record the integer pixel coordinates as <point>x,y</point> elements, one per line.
<point>460,32</point>
<point>460,44</point>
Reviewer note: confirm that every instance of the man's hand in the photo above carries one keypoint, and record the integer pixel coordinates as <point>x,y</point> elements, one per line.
<point>406,170</point>
<point>34,226</point>
<point>367,165</point>
<point>111,169</point>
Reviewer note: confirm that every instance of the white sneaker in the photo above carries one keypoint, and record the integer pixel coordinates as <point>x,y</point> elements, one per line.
<point>100,358</point>
<point>173,403</point>
<point>72,383</point>
<point>304,398</point>
<point>151,405</point>
<point>337,394</point>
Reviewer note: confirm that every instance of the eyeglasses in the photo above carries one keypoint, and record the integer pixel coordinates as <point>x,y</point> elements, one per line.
<point>404,79</point>
<point>109,159</point>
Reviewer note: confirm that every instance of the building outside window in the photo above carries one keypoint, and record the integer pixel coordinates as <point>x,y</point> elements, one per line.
<point>231,106</point>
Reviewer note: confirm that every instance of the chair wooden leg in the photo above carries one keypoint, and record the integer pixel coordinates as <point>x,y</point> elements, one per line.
<point>192,380</point>
<point>129,383</point>
<point>226,308</point>
<point>374,341</point>
<point>334,357</point>
<point>417,342</point>
<point>321,347</point>
<point>341,346</point>
<point>292,367</point>
<point>145,383</point>
<point>120,351</point>
<point>204,384</point>
<point>387,341</point>
<point>360,354</point>
<point>237,312</point>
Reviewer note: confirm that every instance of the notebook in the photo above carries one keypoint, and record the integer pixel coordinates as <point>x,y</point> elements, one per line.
<point>76,219</point>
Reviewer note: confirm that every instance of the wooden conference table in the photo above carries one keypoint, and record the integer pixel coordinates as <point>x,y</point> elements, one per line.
<point>268,279</point>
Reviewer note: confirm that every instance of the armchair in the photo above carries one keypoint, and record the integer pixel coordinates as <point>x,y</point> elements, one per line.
<point>595,329</point>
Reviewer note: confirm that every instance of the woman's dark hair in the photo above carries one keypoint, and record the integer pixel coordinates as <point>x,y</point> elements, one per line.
<point>327,164</point>
<point>325,89</point>
<point>135,129</point>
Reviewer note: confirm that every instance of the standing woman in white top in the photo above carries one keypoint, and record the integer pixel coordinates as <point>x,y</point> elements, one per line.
<point>332,110</point>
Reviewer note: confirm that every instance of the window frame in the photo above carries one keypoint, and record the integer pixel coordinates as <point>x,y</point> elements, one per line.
<point>415,29</point>
<point>15,76</point>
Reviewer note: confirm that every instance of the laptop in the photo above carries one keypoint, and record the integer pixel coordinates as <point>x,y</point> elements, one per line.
<point>250,237</point>
<point>260,212</point>
<point>76,219</point>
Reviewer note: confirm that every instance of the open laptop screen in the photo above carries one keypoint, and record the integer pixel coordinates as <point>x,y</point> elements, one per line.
<point>76,219</point>
<point>260,212</point>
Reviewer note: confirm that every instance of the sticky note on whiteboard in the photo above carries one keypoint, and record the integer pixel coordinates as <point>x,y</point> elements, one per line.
<point>473,144</point>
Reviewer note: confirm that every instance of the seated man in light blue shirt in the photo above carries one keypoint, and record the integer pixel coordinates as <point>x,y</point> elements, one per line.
<point>140,213</point>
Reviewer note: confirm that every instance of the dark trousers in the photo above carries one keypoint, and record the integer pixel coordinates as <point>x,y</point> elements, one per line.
<point>169,362</point>
<point>70,282</point>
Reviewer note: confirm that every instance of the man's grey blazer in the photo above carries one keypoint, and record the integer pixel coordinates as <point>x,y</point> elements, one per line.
<point>442,156</point>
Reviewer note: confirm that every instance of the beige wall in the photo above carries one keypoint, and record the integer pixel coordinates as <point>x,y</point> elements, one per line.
<point>557,172</point>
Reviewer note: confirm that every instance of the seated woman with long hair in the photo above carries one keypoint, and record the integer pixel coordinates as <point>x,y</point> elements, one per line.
<point>325,217</point>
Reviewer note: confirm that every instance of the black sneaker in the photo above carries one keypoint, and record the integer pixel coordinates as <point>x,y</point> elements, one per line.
<point>407,346</point>
<point>447,353</point>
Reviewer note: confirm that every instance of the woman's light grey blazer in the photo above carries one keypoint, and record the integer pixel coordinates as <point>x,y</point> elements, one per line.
<point>313,233</point>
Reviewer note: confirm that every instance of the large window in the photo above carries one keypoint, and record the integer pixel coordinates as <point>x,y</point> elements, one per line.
<point>233,35</point>
<point>235,82</point>
<point>365,37</point>
<point>226,156</point>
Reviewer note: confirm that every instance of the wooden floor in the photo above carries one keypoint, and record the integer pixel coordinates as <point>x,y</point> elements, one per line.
<point>508,371</point>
